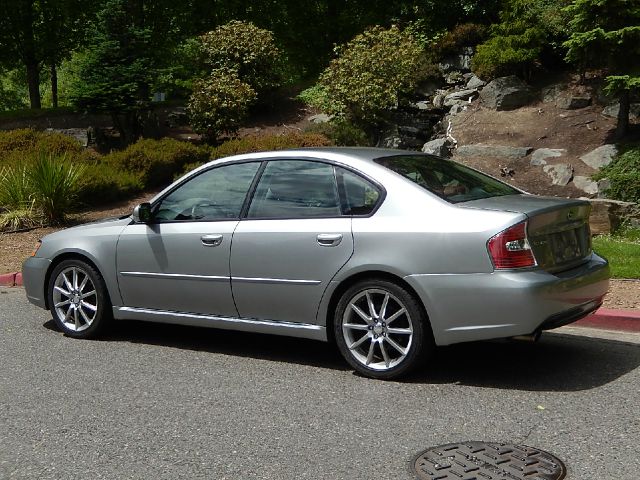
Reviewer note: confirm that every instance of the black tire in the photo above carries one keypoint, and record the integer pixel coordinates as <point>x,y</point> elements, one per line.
<point>78,299</point>
<point>367,343</point>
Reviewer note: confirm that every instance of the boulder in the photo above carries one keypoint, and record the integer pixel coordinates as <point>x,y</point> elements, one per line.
<point>600,157</point>
<point>320,118</point>
<point>422,105</point>
<point>571,102</point>
<point>460,96</point>
<point>500,152</point>
<point>551,93</point>
<point>603,185</point>
<point>585,184</point>
<point>440,147</point>
<point>609,215</point>
<point>475,83</point>
<point>438,100</point>
<point>456,109</point>
<point>506,93</point>
<point>561,173</point>
<point>613,109</point>
<point>539,157</point>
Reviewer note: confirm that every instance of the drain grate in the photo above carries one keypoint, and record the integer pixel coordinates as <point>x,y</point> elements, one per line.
<point>487,461</point>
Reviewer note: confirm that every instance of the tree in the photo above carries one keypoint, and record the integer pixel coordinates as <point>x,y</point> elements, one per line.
<point>606,34</point>
<point>128,44</point>
<point>37,32</point>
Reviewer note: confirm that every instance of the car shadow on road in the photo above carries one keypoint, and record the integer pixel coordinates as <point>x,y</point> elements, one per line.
<point>557,362</point>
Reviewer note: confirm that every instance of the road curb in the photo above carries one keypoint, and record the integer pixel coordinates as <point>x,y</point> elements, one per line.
<point>9,279</point>
<point>609,319</point>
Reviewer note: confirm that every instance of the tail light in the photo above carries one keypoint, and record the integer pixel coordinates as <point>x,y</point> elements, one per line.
<point>510,248</point>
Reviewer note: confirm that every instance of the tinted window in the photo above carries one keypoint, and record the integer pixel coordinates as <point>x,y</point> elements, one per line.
<point>450,180</point>
<point>296,189</point>
<point>359,196</point>
<point>216,194</point>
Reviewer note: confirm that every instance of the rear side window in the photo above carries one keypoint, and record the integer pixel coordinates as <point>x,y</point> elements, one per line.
<point>359,196</point>
<point>449,180</point>
<point>296,189</point>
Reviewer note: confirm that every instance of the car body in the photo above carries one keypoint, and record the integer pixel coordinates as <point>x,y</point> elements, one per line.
<point>330,244</point>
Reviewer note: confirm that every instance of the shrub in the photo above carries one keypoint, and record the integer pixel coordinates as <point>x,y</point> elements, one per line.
<point>104,183</point>
<point>372,72</point>
<point>341,133</point>
<point>25,145</point>
<point>219,104</point>
<point>251,144</point>
<point>318,97</point>
<point>464,35</point>
<point>55,183</point>
<point>247,49</point>
<point>624,174</point>
<point>148,163</point>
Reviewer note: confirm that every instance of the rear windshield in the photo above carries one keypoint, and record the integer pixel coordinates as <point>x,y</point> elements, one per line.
<point>449,180</point>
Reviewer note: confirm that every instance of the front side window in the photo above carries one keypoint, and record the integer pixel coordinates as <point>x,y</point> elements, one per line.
<point>449,180</point>
<point>216,194</point>
<point>296,189</point>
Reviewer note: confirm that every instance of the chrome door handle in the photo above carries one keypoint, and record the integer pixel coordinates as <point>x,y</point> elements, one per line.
<point>211,240</point>
<point>329,239</point>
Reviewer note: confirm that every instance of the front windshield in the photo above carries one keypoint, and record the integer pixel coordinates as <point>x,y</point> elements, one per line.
<point>447,179</point>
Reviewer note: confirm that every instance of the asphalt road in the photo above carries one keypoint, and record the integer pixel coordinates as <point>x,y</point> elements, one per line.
<point>164,402</point>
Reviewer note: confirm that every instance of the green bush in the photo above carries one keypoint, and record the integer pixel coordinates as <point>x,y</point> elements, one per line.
<point>219,103</point>
<point>152,162</point>
<point>372,72</point>
<point>341,133</point>
<point>25,145</point>
<point>104,183</point>
<point>317,97</point>
<point>251,144</point>
<point>624,174</point>
<point>246,49</point>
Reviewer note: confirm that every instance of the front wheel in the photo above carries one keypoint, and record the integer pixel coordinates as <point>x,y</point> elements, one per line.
<point>78,299</point>
<point>380,329</point>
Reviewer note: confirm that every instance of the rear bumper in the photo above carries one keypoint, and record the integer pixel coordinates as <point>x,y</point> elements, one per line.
<point>481,306</point>
<point>34,273</point>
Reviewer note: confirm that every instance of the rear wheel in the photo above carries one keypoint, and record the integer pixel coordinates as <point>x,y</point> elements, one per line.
<point>78,299</point>
<point>381,329</point>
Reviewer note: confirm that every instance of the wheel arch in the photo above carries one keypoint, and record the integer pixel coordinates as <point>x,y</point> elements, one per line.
<point>71,255</point>
<point>351,280</point>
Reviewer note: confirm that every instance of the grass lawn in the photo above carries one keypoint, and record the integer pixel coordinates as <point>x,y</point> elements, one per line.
<point>622,251</point>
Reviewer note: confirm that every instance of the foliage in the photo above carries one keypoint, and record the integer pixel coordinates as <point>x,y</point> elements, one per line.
<point>238,146</point>
<point>317,97</point>
<point>341,133</point>
<point>219,103</point>
<point>464,35</point>
<point>624,174</point>
<point>606,34</point>
<point>622,249</point>
<point>103,183</point>
<point>518,42</point>
<point>371,73</point>
<point>25,145</point>
<point>246,49</point>
<point>16,204</point>
<point>152,162</point>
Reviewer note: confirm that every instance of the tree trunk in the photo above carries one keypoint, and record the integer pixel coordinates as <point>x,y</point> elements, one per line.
<point>54,86</point>
<point>33,81</point>
<point>623,115</point>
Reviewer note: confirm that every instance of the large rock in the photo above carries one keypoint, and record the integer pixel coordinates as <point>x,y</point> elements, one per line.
<point>539,157</point>
<point>440,147</point>
<point>506,93</point>
<point>475,83</point>
<point>571,102</point>
<point>600,157</point>
<point>461,96</point>
<point>609,215</point>
<point>585,184</point>
<point>612,110</point>
<point>560,173</point>
<point>501,152</point>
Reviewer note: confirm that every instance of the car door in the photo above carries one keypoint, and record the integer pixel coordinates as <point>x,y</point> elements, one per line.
<point>291,243</point>
<point>179,261</point>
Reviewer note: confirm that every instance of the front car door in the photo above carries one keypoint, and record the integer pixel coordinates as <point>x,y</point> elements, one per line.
<point>179,262</point>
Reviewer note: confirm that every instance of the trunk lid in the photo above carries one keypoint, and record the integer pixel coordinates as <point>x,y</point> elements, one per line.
<point>557,229</point>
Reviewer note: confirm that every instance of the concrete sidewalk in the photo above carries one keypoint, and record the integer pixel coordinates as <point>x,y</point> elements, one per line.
<point>604,318</point>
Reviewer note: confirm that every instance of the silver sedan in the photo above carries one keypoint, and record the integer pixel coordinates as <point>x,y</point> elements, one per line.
<point>384,252</point>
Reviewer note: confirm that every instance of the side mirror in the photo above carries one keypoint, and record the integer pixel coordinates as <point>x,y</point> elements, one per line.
<point>142,213</point>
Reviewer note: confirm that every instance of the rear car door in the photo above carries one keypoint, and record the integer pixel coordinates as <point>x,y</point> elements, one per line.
<point>291,243</point>
<point>179,262</point>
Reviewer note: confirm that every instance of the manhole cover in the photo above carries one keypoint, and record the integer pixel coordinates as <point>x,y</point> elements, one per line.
<point>487,461</point>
